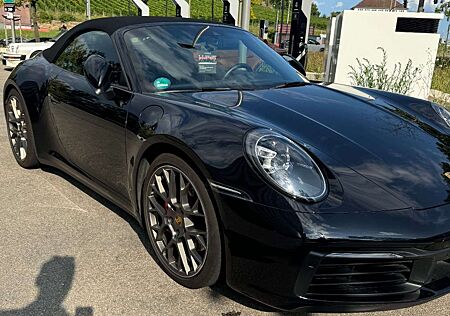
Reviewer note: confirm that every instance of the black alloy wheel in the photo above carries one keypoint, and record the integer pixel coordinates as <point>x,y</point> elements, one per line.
<point>181,223</point>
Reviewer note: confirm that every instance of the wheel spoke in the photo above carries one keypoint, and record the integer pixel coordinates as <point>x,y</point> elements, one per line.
<point>194,232</point>
<point>184,194</point>
<point>22,148</point>
<point>23,143</point>
<point>193,211</point>
<point>159,232</point>
<point>170,180</point>
<point>195,256</point>
<point>13,128</point>
<point>160,188</point>
<point>16,145</point>
<point>14,108</point>
<point>183,256</point>
<point>163,196</point>
<point>169,245</point>
<point>201,242</point>
<point>156,207</point>
<point>12,118</point>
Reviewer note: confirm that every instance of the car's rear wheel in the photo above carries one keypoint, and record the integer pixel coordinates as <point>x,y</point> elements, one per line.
<point>181,223</point>
<point>20,132</point>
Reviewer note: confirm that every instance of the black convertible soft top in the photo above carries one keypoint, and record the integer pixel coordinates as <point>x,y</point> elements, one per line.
<point>107,25</point>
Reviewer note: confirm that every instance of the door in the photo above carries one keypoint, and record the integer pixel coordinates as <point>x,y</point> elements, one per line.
<point>91,125</point>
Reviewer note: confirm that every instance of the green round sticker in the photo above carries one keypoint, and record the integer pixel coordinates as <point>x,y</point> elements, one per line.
<point>162,83</point>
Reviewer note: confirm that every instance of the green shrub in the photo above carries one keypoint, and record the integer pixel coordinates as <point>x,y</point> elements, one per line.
<point>377,76</point>
<point>67,17</point>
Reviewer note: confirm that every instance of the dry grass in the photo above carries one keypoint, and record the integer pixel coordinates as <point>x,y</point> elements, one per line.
<point>441,79</point>
<point>315,62</point>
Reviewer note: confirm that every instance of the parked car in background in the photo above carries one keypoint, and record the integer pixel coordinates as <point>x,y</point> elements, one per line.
<point>314,46</point>
<point>17,52</point>
<point>42,39</point>
<point>4,42</point>
<point>20,51</point>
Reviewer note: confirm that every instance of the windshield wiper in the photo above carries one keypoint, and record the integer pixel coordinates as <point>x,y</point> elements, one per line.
<point>292,84</point>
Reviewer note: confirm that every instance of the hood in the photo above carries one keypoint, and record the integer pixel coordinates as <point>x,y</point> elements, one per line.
<point>401,153</point>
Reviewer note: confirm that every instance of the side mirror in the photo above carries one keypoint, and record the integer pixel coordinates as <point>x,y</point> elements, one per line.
<point>294,63</point>
<point>98,72</point>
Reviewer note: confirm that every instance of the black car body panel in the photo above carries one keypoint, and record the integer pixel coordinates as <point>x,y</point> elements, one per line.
<point>384,158</point>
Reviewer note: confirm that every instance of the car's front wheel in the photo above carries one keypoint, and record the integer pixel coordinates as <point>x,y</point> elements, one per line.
<point>181,223</point>
<point>20,132</point>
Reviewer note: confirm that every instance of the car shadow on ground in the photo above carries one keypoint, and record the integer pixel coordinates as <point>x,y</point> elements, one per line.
<point>220,289</point>
<point>54,283</point>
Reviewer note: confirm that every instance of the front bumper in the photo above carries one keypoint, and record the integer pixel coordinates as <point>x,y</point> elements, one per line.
<point>12,60</point>
<point>336,262</point>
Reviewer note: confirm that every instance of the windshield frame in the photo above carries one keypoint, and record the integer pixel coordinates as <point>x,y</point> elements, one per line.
<point>126,53</point>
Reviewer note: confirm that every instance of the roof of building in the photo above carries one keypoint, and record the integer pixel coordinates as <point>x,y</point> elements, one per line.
<point>379,4</point>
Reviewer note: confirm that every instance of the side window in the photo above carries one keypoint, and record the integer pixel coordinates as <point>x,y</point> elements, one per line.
<point>95,42</point>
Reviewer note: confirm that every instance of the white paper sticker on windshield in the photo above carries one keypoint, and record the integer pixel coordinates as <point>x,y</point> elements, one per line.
<point>207,63</point>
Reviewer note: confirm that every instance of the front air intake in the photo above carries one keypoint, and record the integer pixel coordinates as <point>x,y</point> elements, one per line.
<point>362,281</point>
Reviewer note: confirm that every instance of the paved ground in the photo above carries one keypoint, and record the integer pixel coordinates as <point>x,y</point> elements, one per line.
<point>66,251</point>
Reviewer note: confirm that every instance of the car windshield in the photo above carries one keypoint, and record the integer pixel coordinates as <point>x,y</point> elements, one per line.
<point>180,57</point>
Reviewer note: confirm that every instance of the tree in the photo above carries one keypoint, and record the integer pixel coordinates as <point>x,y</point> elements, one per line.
<point>445,8</point>
<point>33,13</point>
<point>335,13</point>
<point>315,10</point>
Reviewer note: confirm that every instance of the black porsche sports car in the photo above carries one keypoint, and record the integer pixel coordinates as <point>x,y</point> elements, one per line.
<point>303,196</point>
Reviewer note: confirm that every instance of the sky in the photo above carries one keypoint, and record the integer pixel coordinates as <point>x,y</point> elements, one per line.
<point>328,6</point>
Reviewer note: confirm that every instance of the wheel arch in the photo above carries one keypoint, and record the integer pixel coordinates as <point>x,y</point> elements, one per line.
<point>168,144</point>
<point>26,99</point>
<point>9,85</point>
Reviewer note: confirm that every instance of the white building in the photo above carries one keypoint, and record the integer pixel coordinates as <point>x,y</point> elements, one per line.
<point>358,34</point>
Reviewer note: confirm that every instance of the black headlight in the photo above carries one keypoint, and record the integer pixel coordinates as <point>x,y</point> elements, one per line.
<point>286,165</point>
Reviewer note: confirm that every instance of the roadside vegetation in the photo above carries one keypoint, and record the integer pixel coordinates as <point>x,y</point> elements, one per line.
<point>74,10</point>
<point>441,79</point>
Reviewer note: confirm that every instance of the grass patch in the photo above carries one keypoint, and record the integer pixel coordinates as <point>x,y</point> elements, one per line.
<point>315,62</point>
<point>441,79</point>
<point>30,34</point>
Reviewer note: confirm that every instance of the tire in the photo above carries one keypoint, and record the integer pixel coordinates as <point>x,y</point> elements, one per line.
<point>18,125</point>
<point>191,224</point>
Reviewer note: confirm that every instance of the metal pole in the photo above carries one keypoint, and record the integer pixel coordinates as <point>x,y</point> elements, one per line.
<point>88,9</point>
<point>281,25</point>
<point>13,27</point>
<point>129,7</point>
<point>6,32</point>
<point>245,20</point>
<point>166,7</point>
<point>143,8</point>
<point>212,10</point>
<point>288,13</point>
<point>446,41</point>
<point>421,7</point>
<point>275,38</point>
<point>20,30</point>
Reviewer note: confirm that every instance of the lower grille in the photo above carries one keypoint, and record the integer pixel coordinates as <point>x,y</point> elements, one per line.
<point>338,279</point>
